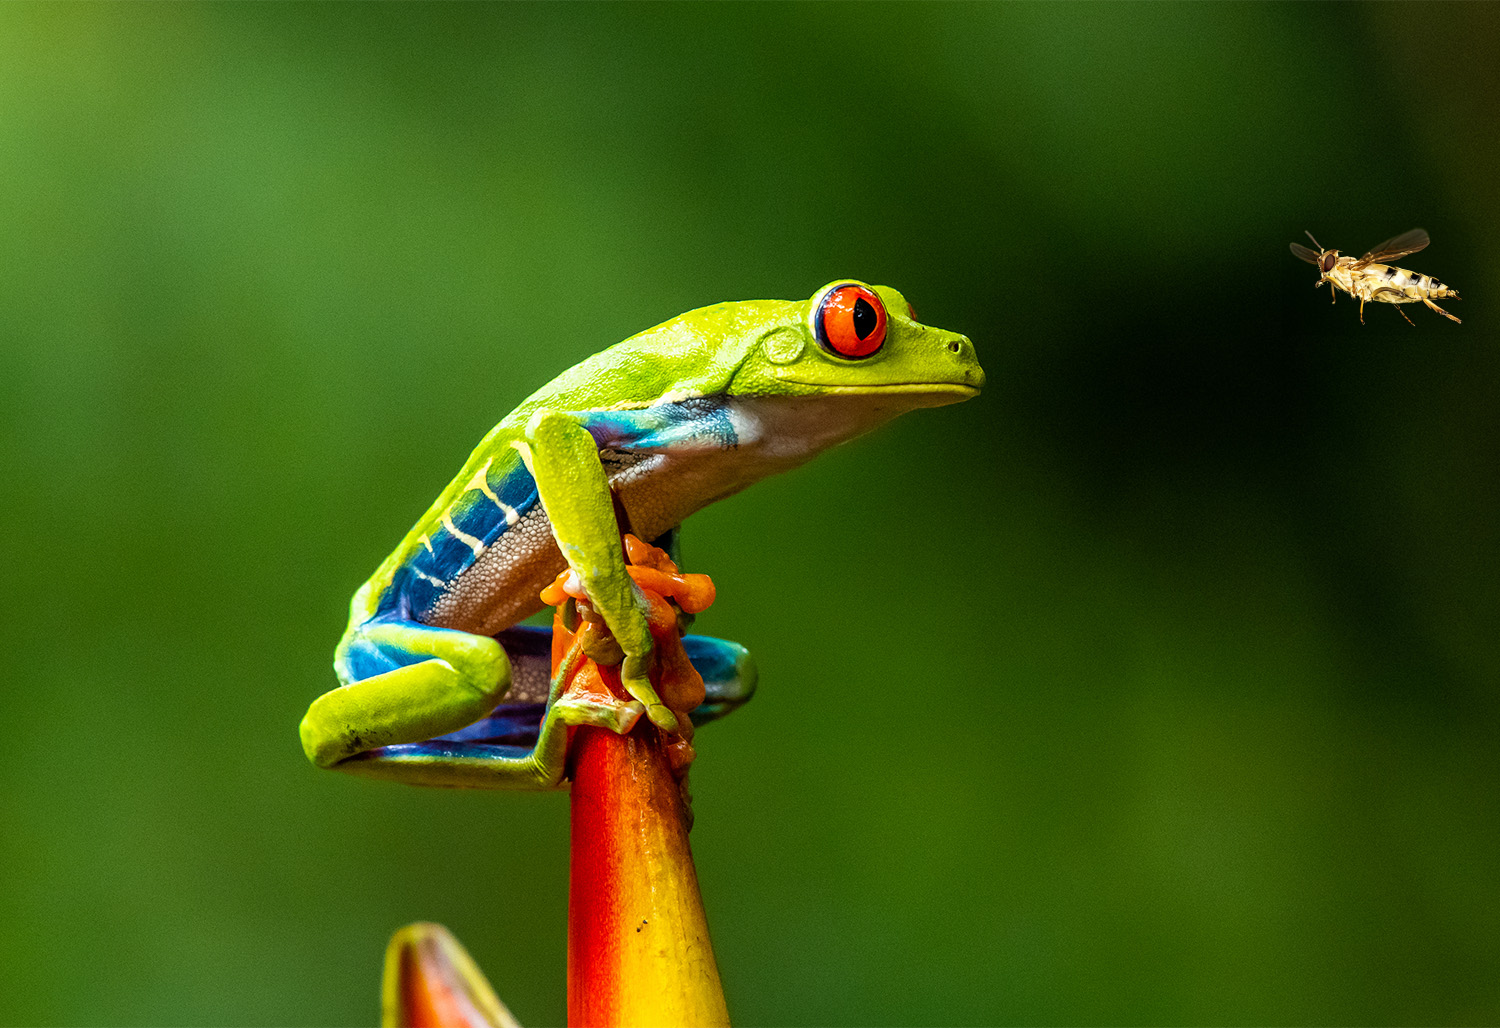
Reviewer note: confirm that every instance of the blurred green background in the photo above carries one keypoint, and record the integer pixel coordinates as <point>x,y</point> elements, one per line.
<point>1158,685</point>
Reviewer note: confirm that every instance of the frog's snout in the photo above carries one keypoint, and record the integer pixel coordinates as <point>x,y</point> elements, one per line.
<point>962,348</point>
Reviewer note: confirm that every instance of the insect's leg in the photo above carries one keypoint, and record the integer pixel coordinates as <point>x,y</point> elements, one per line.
<point>1440,310</point>
<point>1397,296</point>
<point>1361,310</point>
<point>563,457</point>
<point>419,682</point>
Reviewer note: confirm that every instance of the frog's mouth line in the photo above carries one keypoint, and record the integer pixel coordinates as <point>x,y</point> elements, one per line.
<point>893,387</point>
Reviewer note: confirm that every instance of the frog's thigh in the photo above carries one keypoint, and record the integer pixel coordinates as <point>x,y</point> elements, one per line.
<point>461,680</point>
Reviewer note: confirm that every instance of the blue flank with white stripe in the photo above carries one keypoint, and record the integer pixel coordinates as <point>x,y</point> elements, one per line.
<point>428,573</point>
<point>433,568</point>
<point>418,584</point>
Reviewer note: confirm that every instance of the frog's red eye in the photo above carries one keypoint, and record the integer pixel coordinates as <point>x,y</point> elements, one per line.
<point>851,322</point>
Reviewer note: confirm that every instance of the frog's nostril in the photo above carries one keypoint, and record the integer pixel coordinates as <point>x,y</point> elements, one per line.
<point>955,346</point>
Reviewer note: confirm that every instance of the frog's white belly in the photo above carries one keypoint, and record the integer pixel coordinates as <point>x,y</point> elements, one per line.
<point>773,434</point>
<point>657,490</point>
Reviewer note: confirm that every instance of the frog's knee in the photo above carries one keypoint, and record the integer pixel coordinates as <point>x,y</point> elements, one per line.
<point>483,667</point>
<point>478,661</point>
<point>746,675</point>
<point>729,675</point>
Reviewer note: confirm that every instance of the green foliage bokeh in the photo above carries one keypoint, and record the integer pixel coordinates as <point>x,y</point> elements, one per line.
<point>1158,685</point>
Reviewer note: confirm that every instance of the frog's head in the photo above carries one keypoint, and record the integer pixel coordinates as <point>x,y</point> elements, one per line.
<point>861,344</point>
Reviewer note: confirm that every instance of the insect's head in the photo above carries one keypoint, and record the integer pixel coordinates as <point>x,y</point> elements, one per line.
<point>1324,259</point>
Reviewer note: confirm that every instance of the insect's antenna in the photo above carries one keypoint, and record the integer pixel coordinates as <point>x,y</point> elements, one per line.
<point>1315,242</point>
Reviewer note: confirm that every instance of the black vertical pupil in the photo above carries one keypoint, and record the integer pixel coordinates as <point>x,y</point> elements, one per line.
<point>864,318</point>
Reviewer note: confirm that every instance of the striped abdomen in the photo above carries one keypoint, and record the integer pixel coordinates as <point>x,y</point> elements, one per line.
<point>1397,285</point>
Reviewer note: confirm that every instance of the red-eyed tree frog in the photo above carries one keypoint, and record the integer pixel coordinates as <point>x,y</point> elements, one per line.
<point>441,686</point>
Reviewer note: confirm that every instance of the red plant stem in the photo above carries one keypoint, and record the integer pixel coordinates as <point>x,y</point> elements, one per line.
<point>638,946</point>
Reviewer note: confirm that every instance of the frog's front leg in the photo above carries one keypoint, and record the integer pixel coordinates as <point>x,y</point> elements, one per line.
<point>563,457</point>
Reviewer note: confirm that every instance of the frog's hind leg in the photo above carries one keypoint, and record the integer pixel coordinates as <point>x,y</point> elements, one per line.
<point>727,668</point>
<point>458,763</point>
<point>520,744</point>
<point>729,675</point>
<point>1440,310</point>
<point>409,682</point>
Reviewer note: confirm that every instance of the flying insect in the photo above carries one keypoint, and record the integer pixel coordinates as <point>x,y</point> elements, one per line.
<point>1370,279</point>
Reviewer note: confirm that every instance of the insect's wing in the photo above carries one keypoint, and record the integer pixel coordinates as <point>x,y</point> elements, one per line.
<point>1310,256</point>
<point>1407,242</point>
